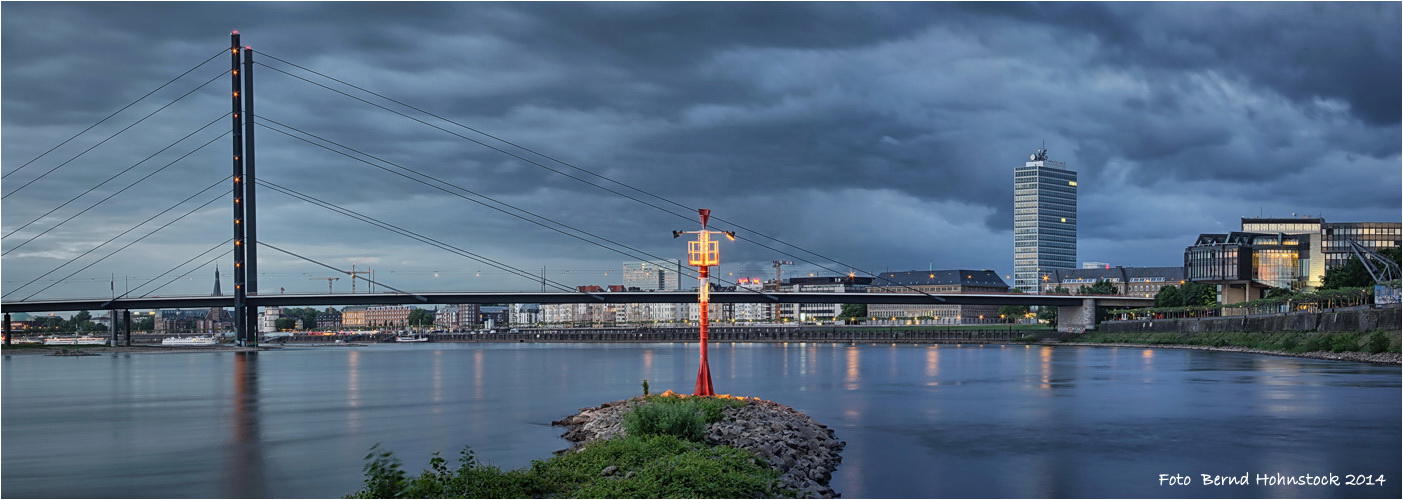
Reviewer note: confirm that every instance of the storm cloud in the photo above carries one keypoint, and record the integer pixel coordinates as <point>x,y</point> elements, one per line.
<point>879,136</point>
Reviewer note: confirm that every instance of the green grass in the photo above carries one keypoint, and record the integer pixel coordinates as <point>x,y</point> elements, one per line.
<point>647,467</point>
<point>668,414</point>
<point>663,455</point>
<point>1292,342</point>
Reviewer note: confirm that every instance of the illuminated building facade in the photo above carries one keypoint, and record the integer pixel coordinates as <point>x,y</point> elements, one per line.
<point>1044,220</point>
<point>1246,265</point>
<point>823,284</point>
<point>1333,237</point>
<point>943,281</point>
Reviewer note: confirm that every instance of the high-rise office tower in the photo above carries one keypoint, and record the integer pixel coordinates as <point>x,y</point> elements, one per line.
<point>1044,220</point>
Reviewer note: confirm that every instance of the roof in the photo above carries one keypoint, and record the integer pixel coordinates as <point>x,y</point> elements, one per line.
<point>966,277</point>
<point>1248,239</point>
<point>1120,273</point>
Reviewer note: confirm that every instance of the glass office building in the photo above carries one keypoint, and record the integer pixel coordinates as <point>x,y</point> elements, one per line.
<point>1330,240</point>
<point>1044,220</point>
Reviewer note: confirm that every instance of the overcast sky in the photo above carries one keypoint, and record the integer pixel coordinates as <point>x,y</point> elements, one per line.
<point>882,136</point>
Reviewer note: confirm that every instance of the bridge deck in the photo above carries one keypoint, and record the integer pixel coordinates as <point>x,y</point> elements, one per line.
<point>569,298</point>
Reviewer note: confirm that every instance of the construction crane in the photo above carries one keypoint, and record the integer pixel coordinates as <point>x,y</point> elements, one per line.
<point>353,272</point>
<point>778,265</point>
<point>328,279</point>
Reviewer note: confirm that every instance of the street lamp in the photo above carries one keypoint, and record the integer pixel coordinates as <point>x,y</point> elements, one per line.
<point>703,253</point>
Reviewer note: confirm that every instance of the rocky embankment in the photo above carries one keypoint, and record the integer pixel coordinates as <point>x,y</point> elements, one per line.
<point>1382,358</point>
<point>804,452</point>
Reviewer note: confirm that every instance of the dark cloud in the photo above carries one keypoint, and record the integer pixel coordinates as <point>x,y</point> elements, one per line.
<point>881,135</point>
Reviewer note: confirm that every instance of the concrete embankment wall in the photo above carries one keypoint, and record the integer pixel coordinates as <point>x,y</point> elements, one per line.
<point>1361,319</point>
<point>736,334</point>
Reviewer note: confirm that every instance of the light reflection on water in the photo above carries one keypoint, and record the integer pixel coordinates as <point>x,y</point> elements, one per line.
<point>920,421</point>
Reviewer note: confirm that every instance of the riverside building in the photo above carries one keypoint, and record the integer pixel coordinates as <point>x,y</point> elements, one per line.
<point>1132,281</point>
<point>1044,220</point>
<point>943,281</point>
<point>1332,238</point>
<point>1245,265</point>
<point>651,276</point>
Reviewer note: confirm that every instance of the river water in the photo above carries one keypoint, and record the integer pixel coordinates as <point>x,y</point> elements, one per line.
<point>921,421</point>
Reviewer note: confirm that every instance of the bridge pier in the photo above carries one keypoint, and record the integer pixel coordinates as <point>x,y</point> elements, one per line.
<point>112,327</point>
<point>1077,319</point>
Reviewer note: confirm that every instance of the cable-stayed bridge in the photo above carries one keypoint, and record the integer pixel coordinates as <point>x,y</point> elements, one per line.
<point>245,245</point>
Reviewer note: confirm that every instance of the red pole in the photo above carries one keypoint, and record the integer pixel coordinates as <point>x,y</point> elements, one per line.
<point>703,387</point>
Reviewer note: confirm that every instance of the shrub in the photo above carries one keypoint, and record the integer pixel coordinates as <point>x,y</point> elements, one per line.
<point>647,467</point>
<point>1344,342</point>
<point>685,421</point>
<point>1377,342</point>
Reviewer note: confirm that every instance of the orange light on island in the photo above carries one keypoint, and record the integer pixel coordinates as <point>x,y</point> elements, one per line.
<point>704,253</point>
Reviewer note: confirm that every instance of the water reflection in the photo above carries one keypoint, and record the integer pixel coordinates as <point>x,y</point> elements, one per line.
<point>353,398</point>
<point>478,379</point>
<point>1045,368</point>
<point>853,356</point>
<point>437,395</point>
<point>202,425</point>
<point>242,471</point>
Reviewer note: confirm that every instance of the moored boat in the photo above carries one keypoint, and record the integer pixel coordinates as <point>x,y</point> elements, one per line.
<point>189,341</point>
<point>411,338</point>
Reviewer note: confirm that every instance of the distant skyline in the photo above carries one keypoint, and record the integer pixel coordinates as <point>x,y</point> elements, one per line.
<point>881,135</point>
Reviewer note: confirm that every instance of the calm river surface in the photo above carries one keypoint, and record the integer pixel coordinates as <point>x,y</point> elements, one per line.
<point>920,421</point>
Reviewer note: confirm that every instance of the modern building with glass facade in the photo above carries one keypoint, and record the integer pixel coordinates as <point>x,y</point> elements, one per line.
<point>1246,265</point>
<point>1334,237</point>
<point>1044,220</point>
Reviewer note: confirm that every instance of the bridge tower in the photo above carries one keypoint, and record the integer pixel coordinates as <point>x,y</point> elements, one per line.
<point>240,270</point>
<point>245,255</point>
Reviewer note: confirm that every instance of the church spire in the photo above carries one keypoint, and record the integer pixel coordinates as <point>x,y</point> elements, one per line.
<point>217,293</point>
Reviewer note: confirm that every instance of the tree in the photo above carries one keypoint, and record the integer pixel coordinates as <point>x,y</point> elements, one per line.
<point>1049,313</point>
<point>420,317</point>
<point>1352,273</point>
<point>1169,297</point>
<point>308,315</point>
<point>1278,292</point>
<point>1198,294</point>
<point>1100,287</point>
<point>1013,312</point>
<point>81,322</point>
<point>854,311</point>
<point>143,324</point>
<point>284,324</point>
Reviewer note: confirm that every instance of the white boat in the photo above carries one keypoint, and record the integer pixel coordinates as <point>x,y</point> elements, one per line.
<point>189,341</point>
<point>60,341</point>
<point>411,338</point>
<point>90,341</point>
<point>28,340</point>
